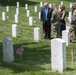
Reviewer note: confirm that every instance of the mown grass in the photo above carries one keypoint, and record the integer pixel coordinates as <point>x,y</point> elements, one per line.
<point>36,59</point>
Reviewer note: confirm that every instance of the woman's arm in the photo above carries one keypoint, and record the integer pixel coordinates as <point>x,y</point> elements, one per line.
<point>63,15</point>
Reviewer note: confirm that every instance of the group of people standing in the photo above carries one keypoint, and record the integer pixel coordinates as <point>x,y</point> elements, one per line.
<point>53,17</point>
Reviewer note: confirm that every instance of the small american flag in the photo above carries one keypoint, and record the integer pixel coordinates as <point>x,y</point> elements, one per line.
<point>20,50</point>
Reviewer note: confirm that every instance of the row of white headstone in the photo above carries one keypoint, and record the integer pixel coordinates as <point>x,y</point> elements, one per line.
<point>17,16</point>
<point>36,32</point>
<point>58,50</point>
<point>65,34</point>
<point>36,9</point>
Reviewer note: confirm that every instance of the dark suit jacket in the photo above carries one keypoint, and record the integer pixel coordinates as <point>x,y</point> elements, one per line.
<point>48,16</point>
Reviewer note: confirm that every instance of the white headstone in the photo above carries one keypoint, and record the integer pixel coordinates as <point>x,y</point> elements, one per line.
<point>16,18</point>
<point>14,30</point>
<point>62,3</point>
<point>66,36</point>
<point>59,8</point>
<point>70,17</point>
<point>30,21</point>
<point>7,9</point>
<point>37,34</point>
<point>28,13</point>
<point>26,6</point>
<point>36,9</point>
<point>58,55</point>
<point>41,4</point>
<point>3,16</point>
<point>39,15</point>
<point>17,4</point>
<point>8,52</point>
<point>17,11</point>
<point>70,14</point>
<point>50,5</point>
<point>71,7</point>
<point>68,25</point>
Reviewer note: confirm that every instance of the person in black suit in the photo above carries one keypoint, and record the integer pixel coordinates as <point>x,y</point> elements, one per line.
<point>46,13</point>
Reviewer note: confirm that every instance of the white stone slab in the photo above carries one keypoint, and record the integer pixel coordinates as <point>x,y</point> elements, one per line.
<point>68,25</point>
<point>3,16</point>
<point>7,9</point>
<point>66,36</point>
<point>50,5</point>
<point>70,14</point>
<point>37,34</point>
<point>36,8</point>
<point>39,15</point>
<point>62,3</point>
<point>59,8</point>
<point>30,21</point>
<point>14,30</point>
<point>58,55</point>
<point>71,7</point>
<point>8,52</point>
<point>28,13</point>
<point>17,11</point>
<point>41,4</point>
<point>17,4</point>
<point>16,18</point>
<point>26,6</point>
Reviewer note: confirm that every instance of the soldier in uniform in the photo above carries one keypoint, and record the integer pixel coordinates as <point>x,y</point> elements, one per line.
<point>73,28</point>
<point>56,21</point>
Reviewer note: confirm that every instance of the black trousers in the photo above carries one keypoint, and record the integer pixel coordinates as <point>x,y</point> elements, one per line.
<point>62,26</point>
<point>47,30</point>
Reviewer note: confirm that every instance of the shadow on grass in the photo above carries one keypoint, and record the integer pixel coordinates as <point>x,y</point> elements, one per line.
<point>13,2</point>
<point>32,58</point>
<point>70,69</point>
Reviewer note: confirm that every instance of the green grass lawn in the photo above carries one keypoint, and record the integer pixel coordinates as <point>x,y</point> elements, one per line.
<point>36,59</point>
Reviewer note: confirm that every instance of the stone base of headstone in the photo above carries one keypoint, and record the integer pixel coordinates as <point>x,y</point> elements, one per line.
<point>8,52</point>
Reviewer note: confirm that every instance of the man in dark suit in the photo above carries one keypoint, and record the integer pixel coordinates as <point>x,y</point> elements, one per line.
<point>46,13</point>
